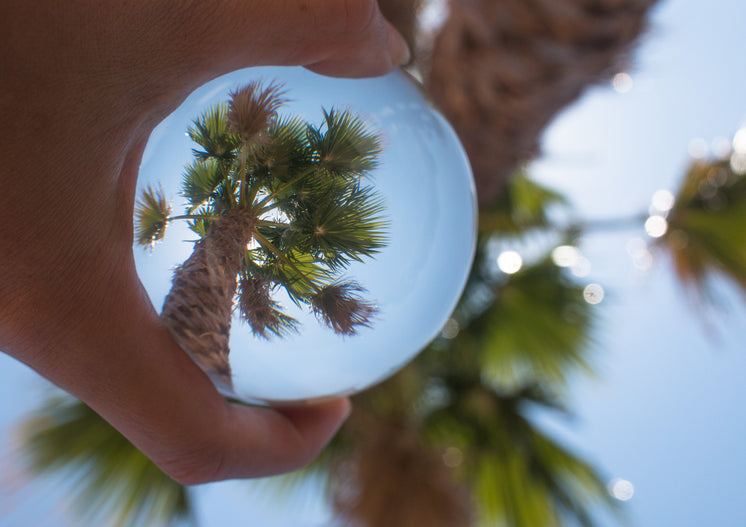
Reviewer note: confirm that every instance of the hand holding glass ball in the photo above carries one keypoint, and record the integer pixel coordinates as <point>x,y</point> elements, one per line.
<point>315,202</point>
<point>84,90</point>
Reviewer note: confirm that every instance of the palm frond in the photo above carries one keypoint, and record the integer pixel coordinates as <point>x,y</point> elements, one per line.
<point>298,273</point>
<point>109,478</point>
<point>536,332</point>
<point>523,205</point>
<point>210,131</point>
<point>251,110</point>
<point>152,212</point>
<point>201,180</point>
<point>260,311</point>
<point>341,228</point>
<point>706,233</point>
<point>341,307</point>
<point>285,151</point>
<point>519,475</point>
<point>345,147</point>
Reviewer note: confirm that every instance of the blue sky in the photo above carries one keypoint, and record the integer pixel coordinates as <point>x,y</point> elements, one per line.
<point>666,410</point>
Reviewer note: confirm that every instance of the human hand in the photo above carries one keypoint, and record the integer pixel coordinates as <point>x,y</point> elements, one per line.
<point>83,84</point>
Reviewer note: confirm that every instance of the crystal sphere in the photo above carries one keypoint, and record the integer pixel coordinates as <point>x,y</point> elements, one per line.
<point>397,296</point>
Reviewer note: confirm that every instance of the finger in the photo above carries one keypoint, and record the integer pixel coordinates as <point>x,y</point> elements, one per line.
<point>287,438</point>
<point>335,37</point>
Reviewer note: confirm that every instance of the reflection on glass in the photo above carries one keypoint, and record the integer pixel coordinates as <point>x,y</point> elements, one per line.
<point>406,277</point>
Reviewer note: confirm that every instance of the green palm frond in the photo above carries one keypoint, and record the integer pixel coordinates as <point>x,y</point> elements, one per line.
<point>200,181</point>
<point>345,147</point>
<point>523,205</point>
<point>285,152</point>
<point>341,228</point>
<point>152,213</point>
<point>536,331</point>
<point>110,480</point>
<point>706,233</point>
<point>519,475</point>
<point>210,131</point>
<point>298,273</point>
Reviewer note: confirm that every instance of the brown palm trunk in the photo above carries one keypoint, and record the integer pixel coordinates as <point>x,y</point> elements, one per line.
<point>198,309</point>
<point>502,69</point>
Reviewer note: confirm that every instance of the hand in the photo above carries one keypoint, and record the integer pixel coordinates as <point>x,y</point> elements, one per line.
<point>82,87</point>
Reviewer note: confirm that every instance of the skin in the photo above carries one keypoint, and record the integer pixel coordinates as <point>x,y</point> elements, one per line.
<point>81,88</point>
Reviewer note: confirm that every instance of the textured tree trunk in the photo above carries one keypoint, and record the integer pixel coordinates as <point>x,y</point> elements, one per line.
<point>198,309</point>
<point>394,479</point>
<point>502,69</point>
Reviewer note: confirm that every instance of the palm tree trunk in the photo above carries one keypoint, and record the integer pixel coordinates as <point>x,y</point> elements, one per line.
<point>198,309</point>
<point>502,69</point>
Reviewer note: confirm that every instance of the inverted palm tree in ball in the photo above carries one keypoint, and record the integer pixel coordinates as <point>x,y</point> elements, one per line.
<point>277,203</point>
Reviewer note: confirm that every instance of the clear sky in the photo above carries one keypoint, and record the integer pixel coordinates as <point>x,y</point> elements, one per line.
<point>666,411</point>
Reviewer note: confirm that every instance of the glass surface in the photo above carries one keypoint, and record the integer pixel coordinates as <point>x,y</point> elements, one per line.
<point>415,281</point>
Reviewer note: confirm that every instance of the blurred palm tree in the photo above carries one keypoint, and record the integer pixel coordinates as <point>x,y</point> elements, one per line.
<point>110,482</point>
<point>705,235</point>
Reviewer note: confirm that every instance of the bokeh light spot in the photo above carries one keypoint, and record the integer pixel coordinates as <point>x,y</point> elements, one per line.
<point>621,489</point>
<point>450,329</point>
<point>509,262</point>
<point>622,82</point>
<point>453,457</point>
<point>593,294</point>
<point>565,255</point>
<point>663,200</point>
<point>739,141</point>
<point>656,226</point>
<point>698,148</point>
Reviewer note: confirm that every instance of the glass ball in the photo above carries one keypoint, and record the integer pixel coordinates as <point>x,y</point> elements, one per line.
<point>396,296</point>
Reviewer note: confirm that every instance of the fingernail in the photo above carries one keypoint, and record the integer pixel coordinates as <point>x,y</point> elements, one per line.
<point>398,48</point>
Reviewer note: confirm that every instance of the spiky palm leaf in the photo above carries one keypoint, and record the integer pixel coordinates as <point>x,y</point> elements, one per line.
<point>345,147</point>
<point>109,480</point>
<point>201,180</point>
<point>210,131</point>
<point>152,213</point>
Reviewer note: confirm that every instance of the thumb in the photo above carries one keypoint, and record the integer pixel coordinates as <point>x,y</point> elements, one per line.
<point>347,38</point>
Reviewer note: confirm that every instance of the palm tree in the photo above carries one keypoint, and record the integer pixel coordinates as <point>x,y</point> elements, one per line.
<point>277,203</point>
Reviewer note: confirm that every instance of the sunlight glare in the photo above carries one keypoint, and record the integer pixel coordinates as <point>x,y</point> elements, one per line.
<point>621,489</point>
<point>738,163</point>
<point>739,141</point>
<point>622,82</point>
<point>698,148</point>
<point>720,147</point>
<point>509,262</point>
<point>565,256</point>
<point>663,200</point>
<point>593,294</point>
<point>656,226</point>
<point>581,267</point>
